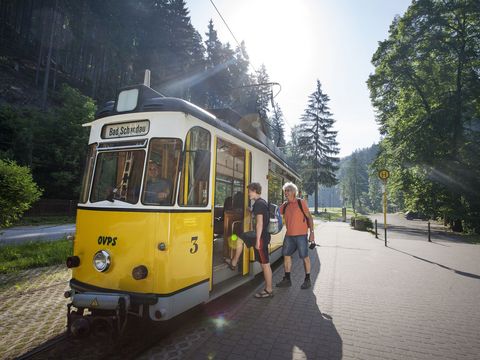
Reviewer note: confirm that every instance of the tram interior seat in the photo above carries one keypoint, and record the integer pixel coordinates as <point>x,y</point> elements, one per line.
<point>228,220</point>
<point>219,217</point>
<point>233,224</point>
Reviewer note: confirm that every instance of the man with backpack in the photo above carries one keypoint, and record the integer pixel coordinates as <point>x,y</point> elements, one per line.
<point>298,220</point>
<point>259,238</point>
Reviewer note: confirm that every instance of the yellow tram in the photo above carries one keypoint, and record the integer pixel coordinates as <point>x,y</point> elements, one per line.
<point>163,192</point>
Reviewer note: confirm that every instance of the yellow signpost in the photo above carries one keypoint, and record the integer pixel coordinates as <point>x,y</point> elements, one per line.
<point>384,174</point>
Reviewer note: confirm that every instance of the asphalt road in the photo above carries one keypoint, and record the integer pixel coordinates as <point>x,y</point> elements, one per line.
<point>398,227</point>
<point>23,234</point>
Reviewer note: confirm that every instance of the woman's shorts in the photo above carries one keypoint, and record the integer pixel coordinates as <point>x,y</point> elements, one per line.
<point>292,243</point>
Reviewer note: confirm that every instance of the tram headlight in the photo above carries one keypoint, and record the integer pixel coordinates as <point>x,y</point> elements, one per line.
<point>101,261</point>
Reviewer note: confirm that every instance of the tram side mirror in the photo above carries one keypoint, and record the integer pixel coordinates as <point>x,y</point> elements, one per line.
<point>202,165</point>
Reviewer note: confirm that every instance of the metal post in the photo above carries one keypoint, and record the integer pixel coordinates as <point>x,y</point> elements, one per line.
<point>385,213</point>
<point>376,231</point>
<point>429,239</point>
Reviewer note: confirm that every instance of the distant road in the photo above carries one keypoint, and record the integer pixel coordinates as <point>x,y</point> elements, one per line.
<point>399,227</point>
<point>23,234</point>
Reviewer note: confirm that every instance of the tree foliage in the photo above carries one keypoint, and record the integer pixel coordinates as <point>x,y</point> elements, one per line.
<point>99,47</point>
<point>426,90</point>
<point>17,191</point>
<point>278,127</point>
<point>359,184</point>
<point>52,143</point>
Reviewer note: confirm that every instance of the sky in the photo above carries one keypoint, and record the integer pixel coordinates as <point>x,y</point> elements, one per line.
<point>300,41</point>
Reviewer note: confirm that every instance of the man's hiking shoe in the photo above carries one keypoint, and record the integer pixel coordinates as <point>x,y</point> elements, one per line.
<point>306,284</point>
<point>284,283</point>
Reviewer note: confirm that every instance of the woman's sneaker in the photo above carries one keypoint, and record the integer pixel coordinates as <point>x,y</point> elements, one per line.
<point>306,284</point>
<point>284,283</point>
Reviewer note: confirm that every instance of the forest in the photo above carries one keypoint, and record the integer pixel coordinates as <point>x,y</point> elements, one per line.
<point>61,59</point>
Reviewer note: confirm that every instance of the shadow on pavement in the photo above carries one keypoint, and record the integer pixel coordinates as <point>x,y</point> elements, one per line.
<point>463,273</point>
<point>343,247</point>
<point>289,325</point>
<point>300,327</point>
<point>322,332</point>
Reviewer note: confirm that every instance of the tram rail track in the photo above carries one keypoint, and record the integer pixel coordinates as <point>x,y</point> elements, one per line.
<point>43,348</point>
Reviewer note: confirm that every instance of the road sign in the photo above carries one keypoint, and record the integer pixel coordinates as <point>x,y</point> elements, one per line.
<point>384,174</point>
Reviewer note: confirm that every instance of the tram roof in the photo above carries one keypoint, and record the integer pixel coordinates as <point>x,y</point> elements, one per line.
<point>150,100</point>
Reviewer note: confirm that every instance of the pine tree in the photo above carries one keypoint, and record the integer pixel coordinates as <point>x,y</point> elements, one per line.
<point>220,59</point>
<point>318,144</point>
<point>264,97</point>
<point>243,93</point>
<point>278,127</point>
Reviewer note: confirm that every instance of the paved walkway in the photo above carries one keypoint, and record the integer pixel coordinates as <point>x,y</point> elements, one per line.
<point>22,234</point>
<point>412,300</point>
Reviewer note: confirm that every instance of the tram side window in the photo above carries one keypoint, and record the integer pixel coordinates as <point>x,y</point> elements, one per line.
<point>196,169</point>
<point>275,183</point>
<point>230,177</point>
<point>275,192</point>
<point>87,174</point>
<point>276,178</point>
<point>162,171</point>
<point>118,176</point>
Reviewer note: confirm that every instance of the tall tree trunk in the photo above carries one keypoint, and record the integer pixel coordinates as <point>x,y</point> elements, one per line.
<point>457,129</point>
<point>94,76</point>
<point>49,57</point>
<point>3,20</point>
<point>316,162</point>
<point>42,44</point>
<point>54,85</point>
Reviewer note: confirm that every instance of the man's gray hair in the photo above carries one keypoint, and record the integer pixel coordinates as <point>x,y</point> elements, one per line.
<point>290,186</point>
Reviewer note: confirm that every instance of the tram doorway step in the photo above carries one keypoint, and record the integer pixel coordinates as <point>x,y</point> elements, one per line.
<point>227,286</point>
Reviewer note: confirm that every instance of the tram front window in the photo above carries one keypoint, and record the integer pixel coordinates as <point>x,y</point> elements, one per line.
<point>162,171</point>
<point>118,176</point>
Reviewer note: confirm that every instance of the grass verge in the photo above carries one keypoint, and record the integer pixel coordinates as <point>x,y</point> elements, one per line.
<point>45,220</point>
<point>473,239</point>
<point>331,213</point>
<point>35,254</point>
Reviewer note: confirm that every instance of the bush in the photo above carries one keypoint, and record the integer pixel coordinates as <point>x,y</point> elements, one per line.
<point>361,223</point>
<point>18,191</point>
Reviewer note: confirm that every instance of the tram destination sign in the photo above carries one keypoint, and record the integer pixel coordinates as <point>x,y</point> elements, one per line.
<point>120,130</point>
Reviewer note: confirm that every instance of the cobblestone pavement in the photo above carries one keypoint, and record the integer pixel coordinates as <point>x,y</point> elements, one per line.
<point>411,300</point>
<point>32,308</point>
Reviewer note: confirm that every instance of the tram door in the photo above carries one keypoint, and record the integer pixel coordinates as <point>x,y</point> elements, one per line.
<point>231,201</point>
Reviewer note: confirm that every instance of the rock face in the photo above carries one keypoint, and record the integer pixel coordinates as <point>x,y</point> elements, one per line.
<point>17,80</point>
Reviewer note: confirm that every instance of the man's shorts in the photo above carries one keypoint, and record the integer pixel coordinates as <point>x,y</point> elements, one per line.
<point>292,243</point>
<point>250,239</point>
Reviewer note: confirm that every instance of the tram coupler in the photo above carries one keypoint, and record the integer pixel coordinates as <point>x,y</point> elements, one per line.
<point>100,314</point>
